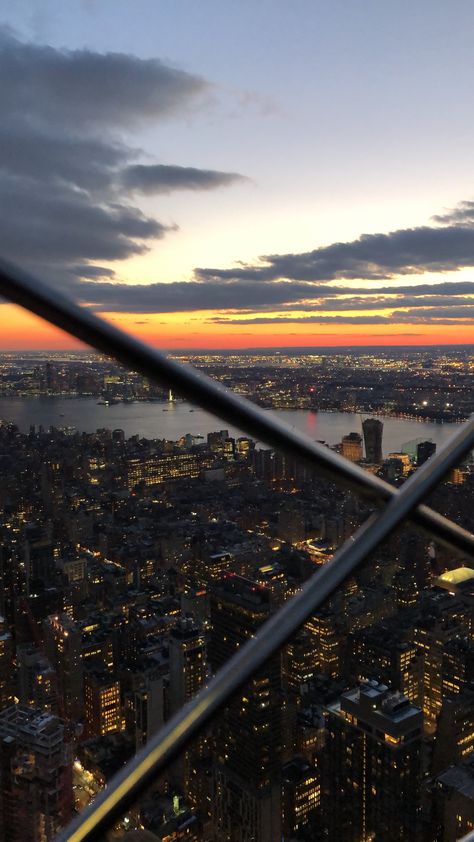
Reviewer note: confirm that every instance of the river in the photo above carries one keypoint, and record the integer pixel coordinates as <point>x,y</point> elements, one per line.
<point>173,420</point>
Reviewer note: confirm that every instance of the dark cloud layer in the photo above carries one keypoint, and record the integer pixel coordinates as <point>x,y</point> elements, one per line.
<point>84,89</point>
<point>159,178</point>
<point>371,257</point>
<point>444,247</point>
<point>462,214</point>
<point>427,315</point>
<point>66,174</point>
<point>245,297</point>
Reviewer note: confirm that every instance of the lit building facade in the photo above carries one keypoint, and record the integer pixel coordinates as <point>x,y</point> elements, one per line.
<point>101,703</point>
<point>155,470</point>
<point>351,447</point>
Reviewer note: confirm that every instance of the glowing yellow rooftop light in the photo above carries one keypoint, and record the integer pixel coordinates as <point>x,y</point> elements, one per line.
<point>455,577</point>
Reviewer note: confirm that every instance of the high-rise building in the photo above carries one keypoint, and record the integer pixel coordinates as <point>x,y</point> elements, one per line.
<point>458,665</point>
<point>36,775</point>
<point>101,703</point>
<point>7,674</point>
<point>424,450</point>
<point>300,662</point>
<point>373,429</point>
<point>381,652</point>
<point>301,795</point>
<point>39,557</point>
<point>215,440</point>
<point>351,447</point>
<point>431,636</point>
<point>188,671</point>
<point>62,640</point>
<point>372,766</point>
<point>327,637</point>
<point>248,735</point>
<point>264,464</point>
<point>454,802</point>
<point>37,681</point>
<point>454,731</point>
<point>244,447</point>
<point>457,476</point>
<point>403,461</point>
<point>148,706</point>
<point>188,662</point>
<point>160,468</point>
<point>291,522</point>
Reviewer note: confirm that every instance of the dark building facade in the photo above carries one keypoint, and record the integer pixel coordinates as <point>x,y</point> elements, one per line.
<point>247,768</point>
<point>373,430</point>
<point>372,766</point>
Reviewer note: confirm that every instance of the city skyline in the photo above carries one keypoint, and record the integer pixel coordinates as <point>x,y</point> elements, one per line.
<point>152,156</point>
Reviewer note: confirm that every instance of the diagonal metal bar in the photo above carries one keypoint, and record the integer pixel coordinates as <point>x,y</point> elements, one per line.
<point>130,783</point>
<point>51,305</point>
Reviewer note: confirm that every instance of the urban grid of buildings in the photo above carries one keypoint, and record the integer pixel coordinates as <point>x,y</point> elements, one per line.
<point>132,569</point>
<point>423,383</point>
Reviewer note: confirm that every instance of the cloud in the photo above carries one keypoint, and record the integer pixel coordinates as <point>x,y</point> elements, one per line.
<point>371,257</point>
<point>66,172</point>
<point>158,178</point>
<point>353,320</point>
<point>463,213</point>
<point>427,315</point>
<point>61,226</point>
<point>95,272</point>
<point>384,302</point>
<point>84,89</point>
<point>245,297</point>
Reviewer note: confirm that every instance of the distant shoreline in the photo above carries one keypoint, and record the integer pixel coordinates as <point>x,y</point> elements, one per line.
<point>431,419</point>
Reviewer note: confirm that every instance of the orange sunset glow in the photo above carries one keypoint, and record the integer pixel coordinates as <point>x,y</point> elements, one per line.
<point>22,330</point>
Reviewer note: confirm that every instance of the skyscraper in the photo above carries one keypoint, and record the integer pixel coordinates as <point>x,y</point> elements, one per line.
<point>188,664</point>
<point>351,447</point>
<point>424,450</point>
<point>372,766</point>
<point>247,768</point>
<point>101,703</point>
<point>7,674</point>
<point>36,775</point>
<point>454,800</point>
<point>188,671</point>
<point>373,429</point>
<point>62,641</point>
<point>37,681</point>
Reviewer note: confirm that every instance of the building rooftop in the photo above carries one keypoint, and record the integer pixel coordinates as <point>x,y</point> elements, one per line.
<point>460,778</point>
<point>386,710</point>
<point>455,577</point>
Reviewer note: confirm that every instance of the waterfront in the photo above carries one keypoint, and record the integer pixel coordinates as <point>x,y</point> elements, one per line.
<point>173,420</point>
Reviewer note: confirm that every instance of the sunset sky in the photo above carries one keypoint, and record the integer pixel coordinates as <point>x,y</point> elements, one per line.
<point>242,173</point>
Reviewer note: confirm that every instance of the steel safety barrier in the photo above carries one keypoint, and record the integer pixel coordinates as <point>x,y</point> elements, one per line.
<point>400,505</point>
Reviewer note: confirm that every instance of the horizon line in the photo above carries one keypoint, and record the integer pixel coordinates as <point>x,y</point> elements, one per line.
<point>254,348</point>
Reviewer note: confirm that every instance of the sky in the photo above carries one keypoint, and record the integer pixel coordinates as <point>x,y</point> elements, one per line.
<point>242,173</point>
